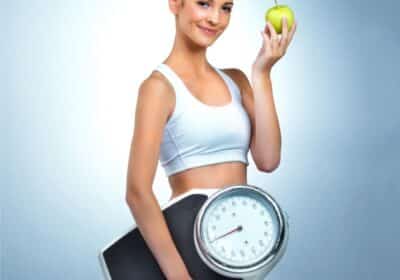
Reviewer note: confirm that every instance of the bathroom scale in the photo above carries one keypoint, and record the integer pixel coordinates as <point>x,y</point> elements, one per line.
<point>235,232</point>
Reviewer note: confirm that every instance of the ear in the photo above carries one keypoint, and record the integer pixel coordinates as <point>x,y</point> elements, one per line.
<point>174,6</point>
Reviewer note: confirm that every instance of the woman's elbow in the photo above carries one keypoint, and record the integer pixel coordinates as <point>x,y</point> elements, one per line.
<point>269,167</point>
<point>136,193</point>
<point>132,193</point>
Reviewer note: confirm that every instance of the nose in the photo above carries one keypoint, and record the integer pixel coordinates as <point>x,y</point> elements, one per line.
<point>213,17</point>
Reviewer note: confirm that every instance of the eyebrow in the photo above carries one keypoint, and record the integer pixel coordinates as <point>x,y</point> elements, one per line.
<point>226,3</point>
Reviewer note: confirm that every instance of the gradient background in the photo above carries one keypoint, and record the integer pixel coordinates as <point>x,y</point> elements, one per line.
<point>70,71</point>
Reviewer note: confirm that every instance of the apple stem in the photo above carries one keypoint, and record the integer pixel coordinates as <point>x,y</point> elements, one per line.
<point>276,2</point>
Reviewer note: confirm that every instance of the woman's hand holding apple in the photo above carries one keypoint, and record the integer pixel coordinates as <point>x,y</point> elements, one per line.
<point>274,45</point>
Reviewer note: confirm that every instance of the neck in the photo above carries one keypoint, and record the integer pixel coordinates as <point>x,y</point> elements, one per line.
<point>187,58</point>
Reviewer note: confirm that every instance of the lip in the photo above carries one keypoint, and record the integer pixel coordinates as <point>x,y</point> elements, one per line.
<point>208,31</point>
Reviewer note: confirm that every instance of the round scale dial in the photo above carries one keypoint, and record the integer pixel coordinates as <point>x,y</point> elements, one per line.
<point>239,229</point>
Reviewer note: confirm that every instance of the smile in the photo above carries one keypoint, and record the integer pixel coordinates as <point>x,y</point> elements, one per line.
<point>207,31</point>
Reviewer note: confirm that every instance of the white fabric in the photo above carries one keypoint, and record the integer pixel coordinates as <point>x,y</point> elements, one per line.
<point>198,134</point>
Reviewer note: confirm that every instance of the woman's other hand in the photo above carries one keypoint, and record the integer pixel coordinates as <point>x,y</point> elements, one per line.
<point>274,45</point>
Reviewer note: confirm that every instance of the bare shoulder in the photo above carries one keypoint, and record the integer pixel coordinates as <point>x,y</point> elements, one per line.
<point>235,72</point>
<point>157,91</point>
<point>156,85</point>
<point>246,91</point>
<point>240,78</point>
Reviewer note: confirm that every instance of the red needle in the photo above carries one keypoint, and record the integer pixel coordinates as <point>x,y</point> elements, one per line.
<point>238,228</point>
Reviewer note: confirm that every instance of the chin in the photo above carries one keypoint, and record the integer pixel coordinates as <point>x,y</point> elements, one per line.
<point>205,41</point>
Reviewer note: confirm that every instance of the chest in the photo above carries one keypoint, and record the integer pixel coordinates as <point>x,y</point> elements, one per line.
<point>212,91</point>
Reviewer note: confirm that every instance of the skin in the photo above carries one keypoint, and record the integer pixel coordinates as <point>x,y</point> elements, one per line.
<point>155,104</point>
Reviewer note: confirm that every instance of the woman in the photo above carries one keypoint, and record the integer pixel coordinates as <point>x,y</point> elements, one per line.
<point>200,121</point>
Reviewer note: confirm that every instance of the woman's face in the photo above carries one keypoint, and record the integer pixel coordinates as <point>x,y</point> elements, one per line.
<point>202,21</point>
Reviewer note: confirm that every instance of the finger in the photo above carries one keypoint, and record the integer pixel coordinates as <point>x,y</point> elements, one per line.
<point>266,30</point>
<point>272,30</point>
<point>266,39</point>
<point>274,35</point>
<point>267,44</point>
<point>267,34</point>
<point>284,39</point>
<point>284,26</point>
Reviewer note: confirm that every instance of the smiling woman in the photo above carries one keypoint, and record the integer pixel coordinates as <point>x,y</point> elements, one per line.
<point>200,122</point>
<point>210,17</point>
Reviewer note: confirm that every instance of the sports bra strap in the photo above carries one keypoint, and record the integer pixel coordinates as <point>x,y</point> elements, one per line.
<point>179,85</point>
<point>171,76</point>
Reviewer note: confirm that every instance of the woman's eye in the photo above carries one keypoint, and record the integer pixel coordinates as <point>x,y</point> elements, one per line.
<point>202,3</point>
<point>228,9</point>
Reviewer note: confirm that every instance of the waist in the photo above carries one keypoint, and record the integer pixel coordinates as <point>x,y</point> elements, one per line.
<point>211,176</point>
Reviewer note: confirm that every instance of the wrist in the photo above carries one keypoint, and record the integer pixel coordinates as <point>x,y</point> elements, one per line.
<point>261,70</point>
<point>258,73</point>
<point>258,78</point>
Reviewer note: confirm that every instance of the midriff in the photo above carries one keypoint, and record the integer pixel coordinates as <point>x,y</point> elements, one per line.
<point>217,175</point>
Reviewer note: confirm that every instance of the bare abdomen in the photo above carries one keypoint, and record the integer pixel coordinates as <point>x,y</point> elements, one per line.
<point>210,176</point>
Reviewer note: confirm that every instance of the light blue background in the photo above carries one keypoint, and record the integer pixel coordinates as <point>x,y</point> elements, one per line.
<point>69,77</point>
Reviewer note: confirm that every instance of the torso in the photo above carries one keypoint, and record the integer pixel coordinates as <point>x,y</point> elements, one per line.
<point>211,176</point>
<point>216,175</point>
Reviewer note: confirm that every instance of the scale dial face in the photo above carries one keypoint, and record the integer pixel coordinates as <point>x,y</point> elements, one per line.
<point>239,228</point>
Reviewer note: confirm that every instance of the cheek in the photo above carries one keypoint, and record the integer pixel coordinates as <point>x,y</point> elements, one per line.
<point>196,14</point>
<point>225,18</point>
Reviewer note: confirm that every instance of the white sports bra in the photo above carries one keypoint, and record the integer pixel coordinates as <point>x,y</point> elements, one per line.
<point>198,134</point>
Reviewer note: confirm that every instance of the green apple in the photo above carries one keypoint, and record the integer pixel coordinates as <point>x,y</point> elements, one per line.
<point>275,14</point>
